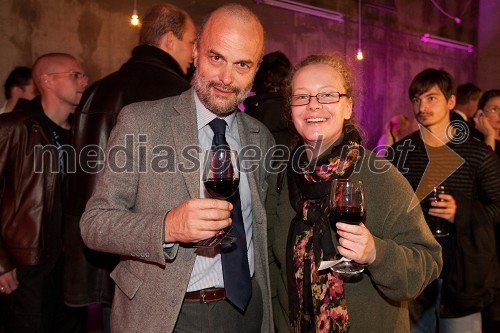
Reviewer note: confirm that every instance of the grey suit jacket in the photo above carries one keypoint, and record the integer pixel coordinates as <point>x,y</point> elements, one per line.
<point>149,171</point>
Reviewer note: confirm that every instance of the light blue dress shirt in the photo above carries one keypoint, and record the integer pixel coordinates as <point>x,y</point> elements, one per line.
<point>207,270</point>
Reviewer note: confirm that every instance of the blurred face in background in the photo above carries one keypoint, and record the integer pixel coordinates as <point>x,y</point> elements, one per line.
<point>492,112</point>
<point>182,49</point>
<point>400,124</point>
<point>29,91</point>
<point>67,81</point>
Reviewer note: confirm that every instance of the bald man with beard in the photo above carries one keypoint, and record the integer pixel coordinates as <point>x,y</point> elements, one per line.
<point>32,168</point>
<point>152,217</point>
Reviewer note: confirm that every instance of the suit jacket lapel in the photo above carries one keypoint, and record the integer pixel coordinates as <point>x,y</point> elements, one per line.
<point>185,134</point>
<point>249,136</point>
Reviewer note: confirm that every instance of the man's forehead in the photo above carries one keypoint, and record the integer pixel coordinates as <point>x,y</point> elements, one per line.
<point>434,90</point>
<point>232,45</point>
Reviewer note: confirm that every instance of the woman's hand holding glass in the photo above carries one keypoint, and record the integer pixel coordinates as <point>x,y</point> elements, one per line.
<point>356,243</point>
<point>347,214</point>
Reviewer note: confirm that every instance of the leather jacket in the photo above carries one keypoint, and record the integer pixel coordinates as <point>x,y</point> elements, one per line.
<point>149,74</point>
<point>27,189</point>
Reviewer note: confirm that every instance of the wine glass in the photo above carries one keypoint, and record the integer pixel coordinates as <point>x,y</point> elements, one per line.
<point>221,175</point>
<point>221,178</point>
<point>347,205</point>
<point>438,226</point>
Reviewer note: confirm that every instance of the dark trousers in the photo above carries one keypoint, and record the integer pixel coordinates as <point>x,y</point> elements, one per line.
<point>221,316</point>
<point>37,304</point>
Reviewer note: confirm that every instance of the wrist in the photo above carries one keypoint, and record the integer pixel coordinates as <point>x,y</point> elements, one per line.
<point>166,235</point>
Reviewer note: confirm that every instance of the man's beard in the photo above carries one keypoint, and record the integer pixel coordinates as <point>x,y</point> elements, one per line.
<point>218,105</point>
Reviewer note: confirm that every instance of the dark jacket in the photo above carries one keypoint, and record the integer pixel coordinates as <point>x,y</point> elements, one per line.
<point>149,75</point>
<point>28,177</point>
<point>270,110</point>
<point>471,271</point>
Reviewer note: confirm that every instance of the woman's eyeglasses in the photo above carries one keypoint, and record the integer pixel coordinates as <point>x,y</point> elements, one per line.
<point>322,98</point>
<point>492,110</point>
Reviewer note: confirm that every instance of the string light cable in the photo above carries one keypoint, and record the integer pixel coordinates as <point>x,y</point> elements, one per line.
<point>454,18</point>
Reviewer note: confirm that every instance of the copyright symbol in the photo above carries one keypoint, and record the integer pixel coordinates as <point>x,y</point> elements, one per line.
<point>457,132</point>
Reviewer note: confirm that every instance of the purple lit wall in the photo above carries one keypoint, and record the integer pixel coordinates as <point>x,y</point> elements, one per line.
<point>99,33</point>
<point>392,47</point>
<point>488,75</point>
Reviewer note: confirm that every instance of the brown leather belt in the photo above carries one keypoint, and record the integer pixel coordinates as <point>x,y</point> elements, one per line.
<point>206,295</point>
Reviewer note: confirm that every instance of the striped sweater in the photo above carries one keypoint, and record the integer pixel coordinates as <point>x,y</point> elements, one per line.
<point>470,171</point>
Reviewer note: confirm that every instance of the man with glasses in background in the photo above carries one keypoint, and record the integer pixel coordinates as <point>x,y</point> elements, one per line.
<point>33,162</point>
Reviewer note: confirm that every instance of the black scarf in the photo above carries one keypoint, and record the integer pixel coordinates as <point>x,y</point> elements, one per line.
<point>316,299</point>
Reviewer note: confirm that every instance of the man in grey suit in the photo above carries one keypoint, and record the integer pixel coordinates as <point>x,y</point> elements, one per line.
<point>149,206</point>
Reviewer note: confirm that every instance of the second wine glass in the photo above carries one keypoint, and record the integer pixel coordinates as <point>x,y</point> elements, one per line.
<point>347,205</point>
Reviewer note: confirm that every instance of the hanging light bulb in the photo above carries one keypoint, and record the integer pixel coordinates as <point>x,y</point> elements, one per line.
<point>134,20</point>
<point>359,55</point>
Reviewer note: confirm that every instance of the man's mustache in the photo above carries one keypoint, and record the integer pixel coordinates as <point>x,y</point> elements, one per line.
<point>224,87</point>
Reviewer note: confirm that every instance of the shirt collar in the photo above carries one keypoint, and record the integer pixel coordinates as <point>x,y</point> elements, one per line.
<point>204,115</point>
<point>462,114</point>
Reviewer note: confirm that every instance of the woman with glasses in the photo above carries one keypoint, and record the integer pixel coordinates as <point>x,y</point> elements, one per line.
<point>487,119</point>
<point>393,242</point>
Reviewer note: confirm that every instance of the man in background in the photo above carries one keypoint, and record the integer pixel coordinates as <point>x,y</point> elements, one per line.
<point>19,84</point>
<point>470,173</point>
<point>156,70</point>
<point>33,163</point>
<point>468,95</point>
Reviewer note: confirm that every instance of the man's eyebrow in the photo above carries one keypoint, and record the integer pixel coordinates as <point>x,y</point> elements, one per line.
<point>247,62</point>
<point>426,95</point>
<point>212,52</point>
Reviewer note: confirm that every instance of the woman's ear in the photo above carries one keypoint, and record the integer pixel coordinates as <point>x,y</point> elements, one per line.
<point>348,110</point>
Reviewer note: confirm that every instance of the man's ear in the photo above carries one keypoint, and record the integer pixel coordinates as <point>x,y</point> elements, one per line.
<point>167,42</point>
<point>451,102</point>
<point>195,54</point>
<point>45,82</point>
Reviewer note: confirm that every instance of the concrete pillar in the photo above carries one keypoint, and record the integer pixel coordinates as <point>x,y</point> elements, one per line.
<point>488,48</point>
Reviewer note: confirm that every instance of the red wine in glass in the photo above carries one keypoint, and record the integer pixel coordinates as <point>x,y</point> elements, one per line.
<point>222,188</point>
<point>347,214</point>
<point>221,178</point>
<point>347,205</point>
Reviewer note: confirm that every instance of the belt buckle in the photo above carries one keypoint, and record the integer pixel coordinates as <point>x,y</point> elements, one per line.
<point>202,296</point>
